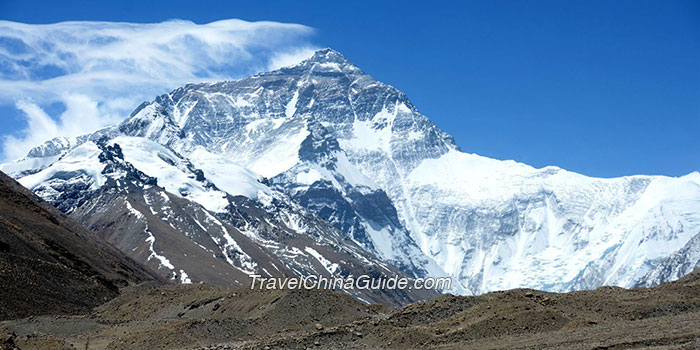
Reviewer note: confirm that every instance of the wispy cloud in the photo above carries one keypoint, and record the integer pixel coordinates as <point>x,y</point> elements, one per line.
<point>101,70</point>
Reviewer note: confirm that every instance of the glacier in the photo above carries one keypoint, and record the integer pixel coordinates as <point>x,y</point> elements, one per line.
<point>358,154</point>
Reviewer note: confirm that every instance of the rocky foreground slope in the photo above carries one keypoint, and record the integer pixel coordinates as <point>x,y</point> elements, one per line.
<point>206,317</point>
<point>49,264</point>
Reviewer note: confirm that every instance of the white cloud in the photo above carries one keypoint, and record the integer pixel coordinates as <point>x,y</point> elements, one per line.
<point>100,71</point>
<point>80,116</point>
<point>284,59</point>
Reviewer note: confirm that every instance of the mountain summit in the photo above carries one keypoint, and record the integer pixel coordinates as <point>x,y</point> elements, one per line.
<point>321,142</point>
<point>327,55</point>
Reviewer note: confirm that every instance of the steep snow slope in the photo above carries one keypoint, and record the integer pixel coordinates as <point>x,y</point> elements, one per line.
<point>358,154</point>
<point>160,209</point>
<point>548,228</point>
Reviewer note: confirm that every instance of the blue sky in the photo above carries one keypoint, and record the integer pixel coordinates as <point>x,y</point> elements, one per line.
<point>604,88</point>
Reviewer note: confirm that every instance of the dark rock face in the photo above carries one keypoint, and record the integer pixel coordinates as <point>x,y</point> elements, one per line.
<point>70,194</point>
<point>319,147</point>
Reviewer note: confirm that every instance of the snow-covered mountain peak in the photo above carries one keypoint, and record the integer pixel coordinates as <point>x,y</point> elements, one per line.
<point>327,55</point>
<point>323,61</point>
<point>357,153</point>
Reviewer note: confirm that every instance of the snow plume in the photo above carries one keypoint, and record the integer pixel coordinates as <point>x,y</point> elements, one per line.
<point>97,72</point>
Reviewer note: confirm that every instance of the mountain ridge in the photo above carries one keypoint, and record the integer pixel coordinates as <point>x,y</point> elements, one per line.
<point>333,138</point>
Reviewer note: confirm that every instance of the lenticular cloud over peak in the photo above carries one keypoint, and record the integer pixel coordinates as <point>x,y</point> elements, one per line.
<point>115,66</point>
